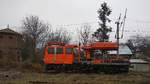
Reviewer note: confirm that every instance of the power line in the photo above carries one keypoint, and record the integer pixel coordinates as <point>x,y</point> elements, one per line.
<point>135,31</point>
<point>78,24</point>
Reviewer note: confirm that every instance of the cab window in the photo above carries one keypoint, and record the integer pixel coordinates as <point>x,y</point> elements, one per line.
<point>59,50</point>
<point>50,50</point>
<point>69,51</point>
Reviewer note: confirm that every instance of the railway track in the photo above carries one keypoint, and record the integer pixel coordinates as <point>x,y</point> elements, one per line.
<point>41,82</point>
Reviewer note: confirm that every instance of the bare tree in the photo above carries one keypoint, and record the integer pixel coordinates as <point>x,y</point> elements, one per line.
<point>59,35</point>
<point>130,44</point>
<point>36,30</point>
<point>140,44</point>
<point>27,49</point>
<point>85,34</point>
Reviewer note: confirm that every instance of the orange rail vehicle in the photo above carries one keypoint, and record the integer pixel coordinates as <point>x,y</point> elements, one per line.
<point>59,53</point>
<point>93,57</point>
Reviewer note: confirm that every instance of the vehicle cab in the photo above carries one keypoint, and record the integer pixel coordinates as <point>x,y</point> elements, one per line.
<point>59,53</point>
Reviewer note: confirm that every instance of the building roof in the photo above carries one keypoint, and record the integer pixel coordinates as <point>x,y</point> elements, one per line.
<point>137,61</point>
<point>123,50</point>
<point>9,31</point>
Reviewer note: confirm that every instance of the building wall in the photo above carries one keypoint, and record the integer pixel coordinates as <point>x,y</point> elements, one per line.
<point>10,41</point>
<point>145,67</point>
<point>10,46</point>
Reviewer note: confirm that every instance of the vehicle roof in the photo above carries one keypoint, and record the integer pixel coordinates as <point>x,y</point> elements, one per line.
<point>102,46</point>
<point>60,44</point>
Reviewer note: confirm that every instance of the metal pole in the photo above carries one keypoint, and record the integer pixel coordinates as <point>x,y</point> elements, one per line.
<point>118,37</point>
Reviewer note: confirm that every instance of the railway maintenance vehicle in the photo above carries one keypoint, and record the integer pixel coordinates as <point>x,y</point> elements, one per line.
<point>94,57</point>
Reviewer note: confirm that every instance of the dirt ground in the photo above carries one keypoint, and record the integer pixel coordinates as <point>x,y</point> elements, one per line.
<point>75,78</point>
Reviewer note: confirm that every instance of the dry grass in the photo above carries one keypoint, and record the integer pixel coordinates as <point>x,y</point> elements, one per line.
<point>32,74</point>
<point>76,78</point>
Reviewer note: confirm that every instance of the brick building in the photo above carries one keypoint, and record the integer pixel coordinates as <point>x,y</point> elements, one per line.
<point>10,45</point>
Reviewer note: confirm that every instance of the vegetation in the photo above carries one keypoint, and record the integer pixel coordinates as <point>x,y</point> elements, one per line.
<point>35,31</point>
<point>101,33</point>
<point>84,34</point>
<point>71,78</point>
<point>59,35</point>
<point>140,45</point>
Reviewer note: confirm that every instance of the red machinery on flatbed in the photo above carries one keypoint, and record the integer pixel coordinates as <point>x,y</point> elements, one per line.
<point>94,57</point>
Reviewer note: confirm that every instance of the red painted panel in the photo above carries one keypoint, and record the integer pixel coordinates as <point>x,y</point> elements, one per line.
<point>102,46</point>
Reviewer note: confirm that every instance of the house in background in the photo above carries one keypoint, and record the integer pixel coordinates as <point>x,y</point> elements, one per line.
<point>124,51</point>
<point>10,45</point>
<point>139,65</point>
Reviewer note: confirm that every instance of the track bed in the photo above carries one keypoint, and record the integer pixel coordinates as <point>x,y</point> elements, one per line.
<point>86,68</point>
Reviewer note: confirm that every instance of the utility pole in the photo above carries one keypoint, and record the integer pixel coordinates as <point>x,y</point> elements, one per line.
<point>119,26</point>
<point>117,33</point>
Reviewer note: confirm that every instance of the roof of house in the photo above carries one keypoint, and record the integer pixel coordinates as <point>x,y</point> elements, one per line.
<point>137,61</point>
<point>9,31</point>
<point>123,50</point>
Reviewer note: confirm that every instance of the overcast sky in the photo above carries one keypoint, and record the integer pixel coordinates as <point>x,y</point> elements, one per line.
<point>66,12</point>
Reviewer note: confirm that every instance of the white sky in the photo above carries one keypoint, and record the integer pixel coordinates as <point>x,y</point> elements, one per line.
<point>64,12</point>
